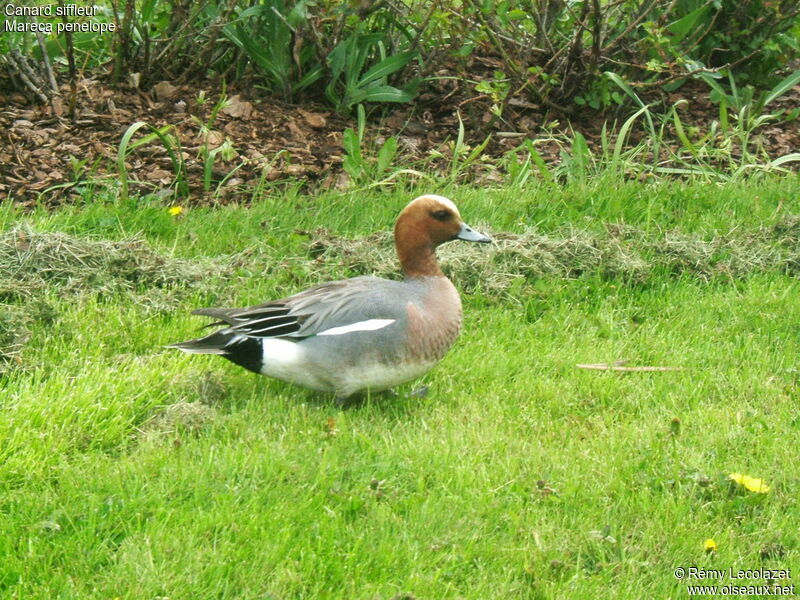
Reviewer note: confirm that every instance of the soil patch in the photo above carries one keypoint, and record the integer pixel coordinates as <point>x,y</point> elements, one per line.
<point>45,156</point>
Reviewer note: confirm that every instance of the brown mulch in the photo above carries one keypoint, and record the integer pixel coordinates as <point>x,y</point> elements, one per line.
<point>47,157</point>
<point>42,153</point>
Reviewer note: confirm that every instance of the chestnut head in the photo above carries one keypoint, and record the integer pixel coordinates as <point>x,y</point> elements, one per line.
<point>424,224</point>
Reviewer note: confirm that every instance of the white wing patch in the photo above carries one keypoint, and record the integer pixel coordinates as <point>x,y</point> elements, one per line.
<point>371,325</point>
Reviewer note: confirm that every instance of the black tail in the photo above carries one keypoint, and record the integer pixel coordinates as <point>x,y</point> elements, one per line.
<point>244,351</point>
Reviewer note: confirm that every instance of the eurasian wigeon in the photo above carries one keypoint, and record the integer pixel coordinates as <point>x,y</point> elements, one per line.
<point>359,334</point>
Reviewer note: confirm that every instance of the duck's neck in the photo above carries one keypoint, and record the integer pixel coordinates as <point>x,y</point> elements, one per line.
<point>415,249</point>
<point>418,260</point>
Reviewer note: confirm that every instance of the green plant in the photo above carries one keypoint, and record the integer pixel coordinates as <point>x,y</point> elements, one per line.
<point>208,123</point>
<point>265,34</point>
<point>753,35</point>
<point>497,88</point>
<point>598,94</point>
<point>372,167</point>
<point>361,168</point>
<point>747,103</point>
<point>462,156</point>
<point>576,162</point>
<point>224,150</point>
<point>556,52</point>
<point>172,146</point>
<point>522,162</point>
<point>748,114</point>
<point>360,71</point>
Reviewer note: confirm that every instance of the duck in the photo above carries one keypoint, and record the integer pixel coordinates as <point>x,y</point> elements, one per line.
<point>364,334</point>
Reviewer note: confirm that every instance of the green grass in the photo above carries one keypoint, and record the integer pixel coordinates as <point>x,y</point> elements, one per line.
<point>276,492</point>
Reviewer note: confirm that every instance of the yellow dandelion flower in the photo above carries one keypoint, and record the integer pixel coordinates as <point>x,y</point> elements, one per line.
<point>175,210</point>
<point>750,483</point>
<point>710,545</point>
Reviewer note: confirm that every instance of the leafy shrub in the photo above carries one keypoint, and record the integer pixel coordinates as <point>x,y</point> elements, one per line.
<point>551,52</point>
<point>556,51</point>
<point>352,82</point>
<point>754,35</point>
<point>264,33</point>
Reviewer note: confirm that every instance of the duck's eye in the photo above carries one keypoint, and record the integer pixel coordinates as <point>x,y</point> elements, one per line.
<point>441,215</point>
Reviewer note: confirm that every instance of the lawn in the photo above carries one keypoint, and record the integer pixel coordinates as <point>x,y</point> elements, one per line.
<point>131,471</point>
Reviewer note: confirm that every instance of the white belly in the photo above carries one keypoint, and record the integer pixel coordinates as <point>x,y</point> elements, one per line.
<point>287,361</point>
<point>378,377</point>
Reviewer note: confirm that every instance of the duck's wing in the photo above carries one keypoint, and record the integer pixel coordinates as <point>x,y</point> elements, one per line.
<point>326,309</point>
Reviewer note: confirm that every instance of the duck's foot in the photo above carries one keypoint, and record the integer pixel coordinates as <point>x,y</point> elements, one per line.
<point>420,392</point>
<point>344,402</point>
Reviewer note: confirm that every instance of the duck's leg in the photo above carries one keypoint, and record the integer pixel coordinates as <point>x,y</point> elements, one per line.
<point>343,402</point>
<point>420,392</point>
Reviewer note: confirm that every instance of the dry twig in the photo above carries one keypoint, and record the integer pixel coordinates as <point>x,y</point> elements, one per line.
<point>620,367</point>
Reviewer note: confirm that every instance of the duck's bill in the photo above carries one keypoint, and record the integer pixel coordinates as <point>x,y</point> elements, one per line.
<point>468,234</point>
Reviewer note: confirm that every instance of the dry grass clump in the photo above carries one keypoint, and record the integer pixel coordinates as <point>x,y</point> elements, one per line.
<point>787,230</point>
<point>531,255</point>
<point>32,262</point>
<point>734,255</point>
<point>207,391</point>
<point>622,252</point>
<point>38,265</point>
<point>14,334</point>
<point>178,418</point>
<point>489,268</point>
<point>17,323</point>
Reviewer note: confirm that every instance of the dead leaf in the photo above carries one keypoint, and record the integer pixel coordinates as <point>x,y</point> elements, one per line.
<point>543,488</point>
<point>162,176</point>
<point>58,106</point>
<point>164,90</point>
<point>238,109</point>
<point>295,170</point>
<point>342,181</point>
<point>213,139</point>
<point>297,133</point>
<point>316,120</point>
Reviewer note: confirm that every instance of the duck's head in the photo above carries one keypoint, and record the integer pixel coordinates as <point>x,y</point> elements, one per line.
<point>424,224</point>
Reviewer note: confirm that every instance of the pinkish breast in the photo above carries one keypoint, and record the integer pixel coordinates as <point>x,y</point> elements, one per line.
<point>434,322</point>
